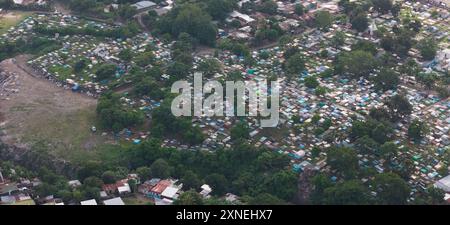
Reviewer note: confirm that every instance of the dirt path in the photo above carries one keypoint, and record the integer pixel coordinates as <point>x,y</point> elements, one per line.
<point>61,8</point>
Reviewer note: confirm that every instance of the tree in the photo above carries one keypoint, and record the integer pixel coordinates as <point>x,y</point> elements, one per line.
<point>323,19</point>
<point>386,79</point>
<point>93,182</point>
<point>126,55</point>
<point>190,180</point>
<point>320,183</point>
<point>398,106</point>
<point>417,130</point>
<point>189,198</point>
<point>355,64</point>
<point>82,5</point>
<point>338,39</point>
<point>381,133</point>
<point>126,11</point>
<point>311,82</point>
<point>435,196</point>
<point>210,66</point>
<point>410,68</point>
<point>283,184</point>
<point>133,185</point>
<point>320,91</point>
<point>219,9</point>
<point>347,193</point>
<point>105,71</point>
<point>360,22</point>
<point>427,48</point>
<point>366,46</point>
<point>427,79</point>
<point>295,64</point>
<point>266,199</point>
<point>114,115</point>
<point>160,168</point>
<point>366,145</point>
<point>344,160</point>
<point>109,177</point>
<point>191,19</point>
<point>391,189</point>
<point>79,66</point>
<point>240,131</point>
<point>388,150</point>
<point>218,183</point>
<point>268,6</point>
<point>395,10</point>
<point>382,6</point>
<point>400,43</point>
<point>299,9</point>
<point>144,173</point>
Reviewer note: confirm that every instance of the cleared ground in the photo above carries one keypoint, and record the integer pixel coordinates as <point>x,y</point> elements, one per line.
<point>41,111</point>
<point>10,19</point>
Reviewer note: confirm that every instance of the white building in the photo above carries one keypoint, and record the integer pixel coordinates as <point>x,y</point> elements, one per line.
<point>143,5</point>
<point>443,184</point>
<point>114,201</point>
<point>89,202</point>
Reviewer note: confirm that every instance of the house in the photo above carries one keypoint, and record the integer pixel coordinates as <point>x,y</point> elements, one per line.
<point>147,186</point>
<point>231,197</point>
<point>124,189</point>
<point>206,189</point>
<point>114,201</point>
<point>443,184</point>
<point>89,202</point>
<point>244,19</point>
<point>144,5</point>
<point>121,187</point>
<point>170,192</point>
<point>159,188</point>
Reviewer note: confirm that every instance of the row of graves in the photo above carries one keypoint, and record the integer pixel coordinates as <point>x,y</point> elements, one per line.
<point>59,66</point>
<point>345,100</point>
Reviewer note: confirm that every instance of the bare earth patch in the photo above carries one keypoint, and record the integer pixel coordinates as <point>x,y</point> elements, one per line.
<point>41,111</point>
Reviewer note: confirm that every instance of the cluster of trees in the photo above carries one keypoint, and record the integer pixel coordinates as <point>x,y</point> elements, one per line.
<point>147,86</point>
<point>402,39</point>
<point>182,59</point>
<point>389,187</point>
<point>417,130</point>
<point>219,9</point>
<point>295,62</point>
<point>357,13</point>
<point>355,64</point>
<point>323,19</point>
<point>270,31</point>
<point>164,123</point>
<point>189,18</point>
<point>129,30</point>
<point>37,45</point>
<point>385,6</point>
<point>427,48</point>
<point>242,170</point>
<point>267,6</point>
<point>104,72</point>
<point>114,115</point>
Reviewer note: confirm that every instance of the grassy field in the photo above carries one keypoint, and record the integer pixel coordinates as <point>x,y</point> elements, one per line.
<point>11,19</point>
<point>68,135</point>
<point>41,112</point>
